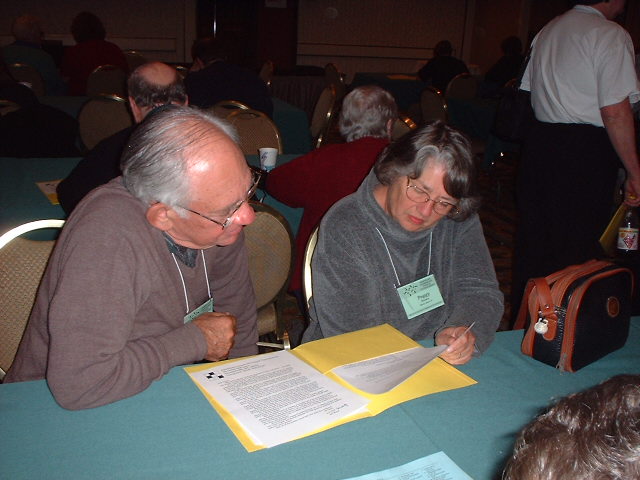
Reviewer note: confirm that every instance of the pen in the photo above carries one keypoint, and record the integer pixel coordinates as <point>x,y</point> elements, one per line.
<point>468,328</point>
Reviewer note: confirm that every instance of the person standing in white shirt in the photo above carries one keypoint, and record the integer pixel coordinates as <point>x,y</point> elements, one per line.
<point>582,80</point>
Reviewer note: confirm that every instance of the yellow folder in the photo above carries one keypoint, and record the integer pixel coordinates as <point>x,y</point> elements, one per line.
<point>329,353</point>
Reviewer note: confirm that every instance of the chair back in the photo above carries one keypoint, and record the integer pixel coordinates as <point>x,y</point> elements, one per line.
<point>333,77</point>
<point>22,263</point>
<point>255,130</point>
<point>107,80</point>
<point>134,59</point>
<point>7,106</point>
<point>462,86</point>
<point>224,108</point>
<point>433,105</point>
<point>23,72</point>
<point>322,115</point>
<point>266,72</point>
<point>270,247</point>
<point>101,117</point>
<point>402,126</point>
<point>307,287</point>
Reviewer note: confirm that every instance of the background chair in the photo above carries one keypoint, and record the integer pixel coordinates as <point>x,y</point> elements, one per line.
<point>307,287</point>
<point>402,126</point>
<point>433,105</point>
<point>462,86</point>
<point>255,130</point>
<point>322,115</point>
<point>266,72</point>
<point>333,77</point>
<point>134,59</point>
<point>107,80</point>
<point>28,74</point>
<point>22,263</point>
<point>270,247</point>
<point>224,108</point>
<point>101,117</point>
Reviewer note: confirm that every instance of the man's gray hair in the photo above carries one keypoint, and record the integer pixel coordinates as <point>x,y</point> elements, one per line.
<point>365,113</point>
<point>155,163</point>
<point>434,142</point>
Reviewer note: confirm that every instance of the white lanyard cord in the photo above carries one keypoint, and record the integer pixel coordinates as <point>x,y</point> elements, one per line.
<point>184,287</point>
<point>391,259</point>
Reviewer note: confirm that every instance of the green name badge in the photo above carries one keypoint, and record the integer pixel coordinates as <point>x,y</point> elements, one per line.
<point>420,296</point>
<point>206,307</point>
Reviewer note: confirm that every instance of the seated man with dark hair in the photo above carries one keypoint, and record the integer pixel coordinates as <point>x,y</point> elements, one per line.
<point>212,79</point>
<point>150,85</point>
<point>441,69</point>
<point>590,435</point>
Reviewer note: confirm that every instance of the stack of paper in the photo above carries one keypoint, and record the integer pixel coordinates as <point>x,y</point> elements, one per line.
<point>274,398</point>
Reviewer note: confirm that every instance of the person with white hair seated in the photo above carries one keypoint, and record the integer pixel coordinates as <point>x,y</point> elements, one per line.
<point>318,179</point>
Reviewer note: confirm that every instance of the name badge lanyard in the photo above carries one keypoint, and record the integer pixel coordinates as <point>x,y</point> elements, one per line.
<point>206,306</point>
<point>420,296</point>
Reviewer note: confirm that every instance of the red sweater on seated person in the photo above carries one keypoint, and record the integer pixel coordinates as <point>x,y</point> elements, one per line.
<point>317,180</point>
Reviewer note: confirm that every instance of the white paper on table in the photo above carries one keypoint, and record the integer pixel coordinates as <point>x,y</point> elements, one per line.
<point>277,397</point>
<point>381,374</point>
<point>433,467</point>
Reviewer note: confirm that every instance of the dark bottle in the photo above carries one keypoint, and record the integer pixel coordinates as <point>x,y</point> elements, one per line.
<point>628,234</point>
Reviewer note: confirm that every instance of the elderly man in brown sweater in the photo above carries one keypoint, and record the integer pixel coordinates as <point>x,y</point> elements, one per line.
<point>150,270</point>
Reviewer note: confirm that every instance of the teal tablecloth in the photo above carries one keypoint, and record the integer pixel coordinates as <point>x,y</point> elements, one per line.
<point>22,201</point>
<point>170,431</point>
<point>292,122</point>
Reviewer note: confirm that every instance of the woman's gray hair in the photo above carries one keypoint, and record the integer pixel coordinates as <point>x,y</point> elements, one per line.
<point>365,113</point>
<point>439,143</point>
<point>156,161</point>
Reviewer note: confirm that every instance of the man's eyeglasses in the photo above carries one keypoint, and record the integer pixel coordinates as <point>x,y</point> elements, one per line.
<point>254,186</point>
<point>416,194</point>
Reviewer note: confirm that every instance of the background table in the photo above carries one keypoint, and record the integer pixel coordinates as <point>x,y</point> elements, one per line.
<point>292,122</point>
<point>22,201</point>
<point>405,88</point>
<point>170,430</point>
<point>475,117</point>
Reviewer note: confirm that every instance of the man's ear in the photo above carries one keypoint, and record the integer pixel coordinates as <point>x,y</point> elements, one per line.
<point>158,216</point>
<point>138,114</point>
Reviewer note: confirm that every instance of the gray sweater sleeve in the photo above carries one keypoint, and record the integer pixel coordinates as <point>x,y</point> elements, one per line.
<point>104,344</point>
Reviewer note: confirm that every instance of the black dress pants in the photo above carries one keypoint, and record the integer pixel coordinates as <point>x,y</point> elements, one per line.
<point>564,200</point>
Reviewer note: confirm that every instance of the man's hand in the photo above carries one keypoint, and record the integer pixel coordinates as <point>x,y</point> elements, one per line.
<point>219,330</point>
<point>460,346</point>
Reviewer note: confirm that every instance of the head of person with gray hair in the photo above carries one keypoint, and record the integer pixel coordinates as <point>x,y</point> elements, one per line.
<point>590,435</point>
<point>186,166</point>
<point>367,111</point>
<point>154,84</point>
<point>432,146</point>
<point>26,28</point>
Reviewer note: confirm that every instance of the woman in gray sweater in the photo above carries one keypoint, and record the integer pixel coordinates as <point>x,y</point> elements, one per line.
<point>407,249</point>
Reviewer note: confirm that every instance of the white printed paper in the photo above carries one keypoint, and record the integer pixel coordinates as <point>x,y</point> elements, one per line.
<point>277,397</point>
<point>434,467</point>
<point>381,374</point>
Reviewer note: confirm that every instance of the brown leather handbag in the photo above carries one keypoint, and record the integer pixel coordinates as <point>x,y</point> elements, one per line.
<point>577,315</point>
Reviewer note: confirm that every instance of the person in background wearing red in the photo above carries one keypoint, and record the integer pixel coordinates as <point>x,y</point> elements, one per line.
<point>91,51</point>
<point>320,178</point>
